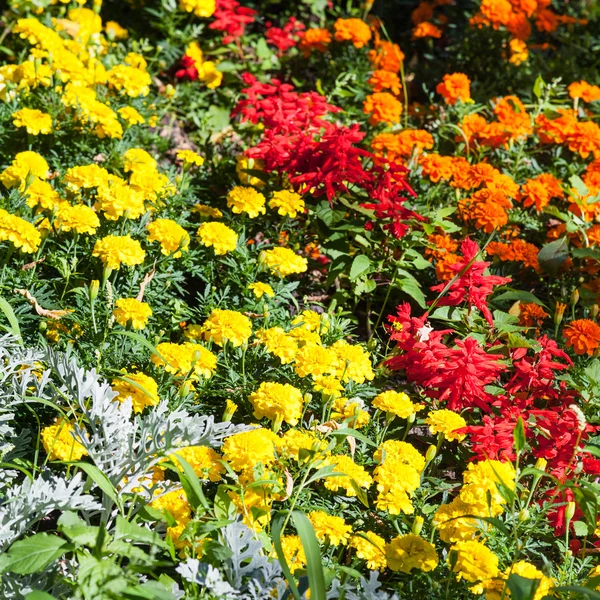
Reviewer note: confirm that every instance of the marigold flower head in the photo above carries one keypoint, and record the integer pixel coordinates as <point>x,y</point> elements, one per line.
<point>437,167</point>
<point>115,250</point>
<point>498,12</point>
<point>452,524</point>
<point>189,157</point>
<point>370,550</point>
<point>387,56</point>
<point>446,422</point>
<point>21,233</point>
<point>131,116</point>
<point>425,30</point>
<point>24,164</point>
<point>396,482</point>
<point>293,551</point>
<point>141,388</point>
<point>246,199</point>
<point>383,108</point>
<point>130,310</point>
<point>352,30</point>
<point>116,199</point>
<point>204,460</point>
<point>314,38</point>
<point>315,360</point>
<point>583,336</point>
<point>396,403</point>
<point>246,450</point>
<point>531,315</point>
<point>584,91</point>
<point>173,238</point>
<point>79,218</point>
<point>382,80</point>
<point>354,362</point>
<point>200,8</point>
<point>260,289</point>
<point>279,402</point>
<point>129,80</point>
<point>283,261</point>
<point>495,588</point>
<point>455,87</point>
<point>350,410</point>
<point>330,528</point>
<point>175,503</point>
<point>279,343</point>
<point>395,452</point>
<point>518,52</point>
<point>60,443</point>
<point>354,475</point>
<point>114,31</point>
<point>41,194</point>
<point>224,326</point>
<point>287,203</point>
<point>481,485</point>
<point>222,238</point>
<point>184,359</point>
<point>294,440</point>
<point>407,552</point>
<point>475,563</point>
<point>35,121</point>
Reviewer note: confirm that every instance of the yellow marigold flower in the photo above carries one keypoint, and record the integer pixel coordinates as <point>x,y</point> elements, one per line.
<point>243,164</point>
<point>132,81</point>
<point>354,475</point>
<point>294,440</point>
<point>246,200</point>
<point>451,525</point>
<point>41,194</point>
<point>481,483</point>
<point>343,409</point>
<point>138,159</point>
<point>185,358</point>
<point>304,336</point>
<point>207,211</point>
<point>397,452</point>
<point>222,238</point>
<point>114,31</point>
<point>173,238</point>
<point>397,403</point>
<point>116,250</point>
<point>278,402</point>
<point>475,563</point>
<point>35,121</point>
<point>315,360</point>
<point>88,176</point>
<point>312,321</point>
<point>21,233</point>
<point>79,218</point>
<point>353,30</point>
<point>330,528</point>
<point>283,261</point>
<point>59,442</point>
<point>518,52</point>
<point>24,164</point>
<point>131,116</point>
<point>224,326</point>
<point>193,332</point>
<point>201,8</point>
<point>287,203</point>
<point>260,289</point>
<point>142,389</point>
<point>354,362</point>
<point>204,460</point>
<point>495,588</point>
<point>176,504</point>
<point>131,310</point>
<point>328,385</point>
<point>407,552</point>
<point>189,157</point>
<point>370,549</point>
<point>279,343</point>
<point>293,552</point>
<point>230,408</point>
<point>248,449</point>
<point>446,422</point>
<point>116,198</point>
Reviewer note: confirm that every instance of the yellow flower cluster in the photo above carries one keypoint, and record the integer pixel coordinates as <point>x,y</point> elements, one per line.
<point>396,403</point>
<point>246,200</point>
<point>33,120</point>
<point>279,402</point>
<point>218,236</point>
<point>141,388</point>
<point>60,443</point>
<point>246,450</point>
<point>205,461</point>
<point>117,250</point>
<point>21,233</point>
<point>25,165</point>
<point>283,261</point>
<point>185,359</point>
<point>130,310</point>
<point>287,203</point>
<point>224,326</point>
<point>173,238</point>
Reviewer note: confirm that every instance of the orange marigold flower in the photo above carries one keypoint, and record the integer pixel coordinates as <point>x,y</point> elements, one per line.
<point>556,131</point>
<point>505,184</point>
<point>387,56</point>
<point>383,108</point>
<point>468,176</point>
<point>585,139</point>
<point>518,52</point>
<point>531,315</point>
<point>473,125</point>
<point>485,215</point>
<point>547,21</point>
<point>314,38</point>
<point>436,167</point>
<point>425,30</point>
<point>526,6</point>
<point>454,87</point>
<point>511,112</point>
<point>440,245</point>
<point>534,193</point>
<point>516,250</point>
<point>385,80</point>
<point>442,269</point>
<point>519,26</point>
<point>584,91</point>
<point>593,235</point>
<point>352,30</point>
<point>583,336</point>
<point>423,12</point>
<point>498,12</point>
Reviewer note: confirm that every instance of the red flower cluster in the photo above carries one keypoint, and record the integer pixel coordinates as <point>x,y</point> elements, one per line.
<point>232,18</point>
<point>471,285</point>
<point>318,155</point>
<point>286,37</point>
<point>187,69</point>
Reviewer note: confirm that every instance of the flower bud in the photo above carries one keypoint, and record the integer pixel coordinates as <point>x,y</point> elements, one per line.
<point>94,289</point>
<point>574,297</point>
<point>540,464</point>
<point>230,408</point>
<point>570,510</point>
<point>559,312</point>
<point>594,311</point>
<point>524,515</point>
<point>431,452</point>
<point>411,418</point>
<point>417,525</point>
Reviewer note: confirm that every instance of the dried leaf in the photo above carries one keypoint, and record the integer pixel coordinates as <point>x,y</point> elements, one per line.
<point>48,314</point>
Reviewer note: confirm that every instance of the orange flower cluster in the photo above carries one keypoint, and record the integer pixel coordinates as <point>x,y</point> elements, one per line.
<point>382,80</point>
<point>486,209</point>
<point>437,167</point>
<point>516,250</point>
<point>440,245</point>
<point>386,56</point>
<point>314,39</point>
<point>455,87</point>
<point>540,190</point>
<point>531,315</point>
<point>425,30</point>
<point>383,108</point>
<point>352,30</point>
<point>584,91</point>
<point>583,336</point>
<point>403,144</point>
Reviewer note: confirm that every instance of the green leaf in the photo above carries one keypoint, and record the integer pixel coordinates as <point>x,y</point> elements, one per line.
<point>553,255</point>
<point>9,313</point>
<point>581,529</point>
<point>33,554</point>
<point>578,184</point>
<point>520,295</point>
<point>413,289</point>
<point>588,502</point>
<point>276,533</point>
<point>519,435</point>
<point>361,264</point>
<point>191,484</point>
<point>522,588</point>
<point>314,563</point>
<point>38,595</point>
<point>587,592</point>
<point>137,533</point>
<point>100,479</point>
<point>538,86</point>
